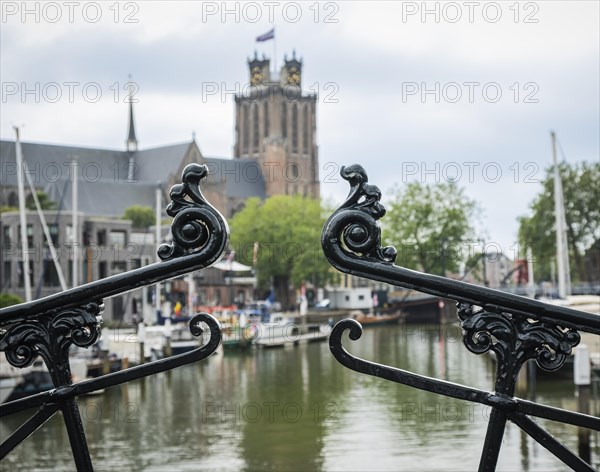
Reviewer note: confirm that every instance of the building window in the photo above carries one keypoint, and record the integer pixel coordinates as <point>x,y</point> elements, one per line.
<point>101,237</point>
<point>245,135</point>
<point>7,275</point>
<point>305,130</point>
<point>295,128</point>
<point>117,306</point>
<point>118,267</point>
<point>53,230</point>
<point>255,128</point>
<point>266,119</point>
<point>29,235</point>
<point>50,274</point>
<point>102,270</point>
<point>20,274</point>
<point>118,238</point>
<point>136,263</point>
<point>8,235</point>
<point>139,239</point>
<point>284,119</point>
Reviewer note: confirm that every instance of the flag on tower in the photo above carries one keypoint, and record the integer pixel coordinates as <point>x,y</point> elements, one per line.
<point>265,37</point>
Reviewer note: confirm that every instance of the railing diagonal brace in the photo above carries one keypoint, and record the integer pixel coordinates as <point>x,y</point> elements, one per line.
<point>550,443</point>
<point>27,429</point>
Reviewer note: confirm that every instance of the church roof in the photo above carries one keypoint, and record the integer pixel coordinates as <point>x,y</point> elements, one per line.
<point>49,163</point>
<point>103,186</point>
<point>243,177</point>
<point>157,163</point>
<point>102,198</point>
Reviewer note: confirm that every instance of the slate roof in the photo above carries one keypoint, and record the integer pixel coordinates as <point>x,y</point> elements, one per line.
<point>47,163</point>
<point>102,198</point>
<point>103,186</point>
<point>156,164</point>
<point>243,177</point>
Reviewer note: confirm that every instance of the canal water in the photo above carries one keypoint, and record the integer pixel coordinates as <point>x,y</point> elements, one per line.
<point>297,409</point>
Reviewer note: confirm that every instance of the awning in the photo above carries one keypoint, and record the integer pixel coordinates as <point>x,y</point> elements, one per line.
<point>232,266</point>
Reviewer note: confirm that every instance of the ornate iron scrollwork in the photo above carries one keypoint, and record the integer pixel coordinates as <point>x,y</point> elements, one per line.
<point>193,218</point>
<point>356,221</point>
<point>50,335</point>
<point>516,339</point>
<point>513,327</point>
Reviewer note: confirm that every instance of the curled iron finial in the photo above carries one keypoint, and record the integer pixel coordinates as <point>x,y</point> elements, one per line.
<point>195,221</point>
<point>354,229</point>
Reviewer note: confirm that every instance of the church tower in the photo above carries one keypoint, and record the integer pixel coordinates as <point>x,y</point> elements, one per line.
<point>276,126</point>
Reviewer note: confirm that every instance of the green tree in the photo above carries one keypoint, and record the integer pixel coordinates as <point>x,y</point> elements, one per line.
<point>9,299</point>
<point>430,226</point>
<point>6,209</point>
<point>581,194</point>
<point>288,231</point>
<point>140,216</point>
<point>45,202</point>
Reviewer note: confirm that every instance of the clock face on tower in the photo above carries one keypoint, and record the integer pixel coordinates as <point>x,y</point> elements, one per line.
<point>293,77</point>
<point>256,76</point>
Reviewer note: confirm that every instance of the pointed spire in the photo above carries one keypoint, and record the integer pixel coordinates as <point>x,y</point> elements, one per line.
<point>131,143</point>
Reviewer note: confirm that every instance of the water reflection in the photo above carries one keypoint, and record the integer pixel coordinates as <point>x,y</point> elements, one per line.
<point>298,409</point>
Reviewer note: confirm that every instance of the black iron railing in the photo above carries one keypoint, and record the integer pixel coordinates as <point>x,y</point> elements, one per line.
<point>514,328</point>
<point>49,326</point>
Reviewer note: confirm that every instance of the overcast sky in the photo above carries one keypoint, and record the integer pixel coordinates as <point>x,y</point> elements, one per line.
<point>500,77</point>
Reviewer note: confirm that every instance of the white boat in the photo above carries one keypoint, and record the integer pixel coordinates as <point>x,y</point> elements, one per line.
<point>10,377</point>
<point>177,337</point>
<point>17,383</point>
<point>7,386</point>
<point>282,331</point>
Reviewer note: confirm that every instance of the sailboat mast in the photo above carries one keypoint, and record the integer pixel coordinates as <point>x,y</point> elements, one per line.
<point>157,239</point>
<point>562,254</point>
<point>22,217</point>
<point>74,221</point>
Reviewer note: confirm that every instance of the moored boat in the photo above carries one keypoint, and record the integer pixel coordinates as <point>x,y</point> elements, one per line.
<point>375,320</point>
